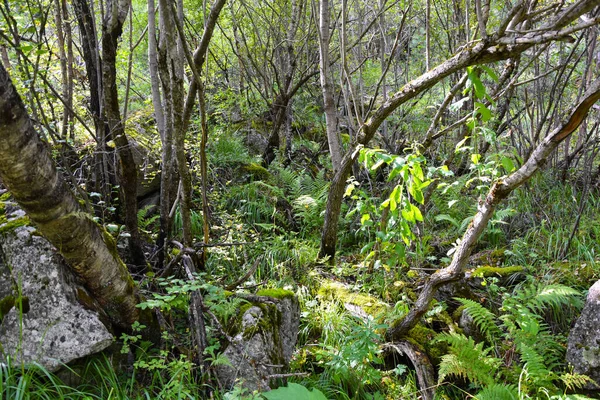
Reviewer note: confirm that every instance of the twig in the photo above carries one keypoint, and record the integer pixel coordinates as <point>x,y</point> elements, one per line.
<point>222,244</point>
<point>246,276</point>
<point>279,376</point>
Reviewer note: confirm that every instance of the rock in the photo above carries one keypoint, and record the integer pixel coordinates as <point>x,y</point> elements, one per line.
<point>264,342</point>
<point>583,348</point>
<point>56,328</point>
<point>469,327</point>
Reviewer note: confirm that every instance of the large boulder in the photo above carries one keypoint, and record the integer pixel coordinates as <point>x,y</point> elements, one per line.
<point>583,349</point>
<point>41,319</point>
<point>264,341</point>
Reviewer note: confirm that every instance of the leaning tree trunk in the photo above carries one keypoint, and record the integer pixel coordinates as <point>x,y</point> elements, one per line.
<point>30,175</point>
<point>499,191</point>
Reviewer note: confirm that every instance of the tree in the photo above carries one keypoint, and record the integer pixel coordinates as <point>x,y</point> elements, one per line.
<point>504,43</point>
<point>29,173</point>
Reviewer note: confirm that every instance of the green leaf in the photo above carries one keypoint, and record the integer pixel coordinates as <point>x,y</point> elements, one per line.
<point>349,190</point>
<point>364,218</point>
<point>408,215</point>
<point>294,391</point>
<point>508,164</point>
<point>475,158</point>
<point>490,72</point>
<point>378,164</point>
<point>416,212</point>
<point>485,112</point>
<point>480,91</point>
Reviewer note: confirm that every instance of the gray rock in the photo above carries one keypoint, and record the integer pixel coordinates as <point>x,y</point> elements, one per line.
<point>467,324</point>
<point>56,328</point>
<point>583,348</point>
<point>263,346</point>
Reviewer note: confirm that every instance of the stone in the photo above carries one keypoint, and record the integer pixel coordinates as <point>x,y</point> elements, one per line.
<point>53,328</point>
<point>583,348</point>
<point>263,345</point>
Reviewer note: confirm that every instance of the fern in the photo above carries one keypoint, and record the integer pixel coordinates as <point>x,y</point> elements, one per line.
<point>537,371</point>
<point>467,360</point>
<point>555,297</point>
<point>484,318</point>
<point>573,381</point>
<point>498,391</point>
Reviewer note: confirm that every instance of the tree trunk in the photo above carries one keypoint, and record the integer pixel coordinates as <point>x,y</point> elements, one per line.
<point>112,27</point>
<point>29,173</point>
<point>333,139</point>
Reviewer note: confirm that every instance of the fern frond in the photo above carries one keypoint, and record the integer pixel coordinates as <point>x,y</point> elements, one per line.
<point>467,360</point>
<point>498,391</point>
<point>484,319</point>
<point>556,296</point>
<point>573,380</point>
<point>538,373</point>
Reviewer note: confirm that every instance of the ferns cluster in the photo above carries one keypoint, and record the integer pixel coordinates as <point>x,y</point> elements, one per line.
<point>519,346</point>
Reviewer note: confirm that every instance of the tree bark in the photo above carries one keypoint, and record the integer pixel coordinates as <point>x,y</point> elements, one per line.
<point>333,138</point>
<point>29,173</point>
<point>112,28</point>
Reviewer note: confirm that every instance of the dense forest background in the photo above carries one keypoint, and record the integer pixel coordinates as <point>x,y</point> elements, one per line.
<point>422,175</point>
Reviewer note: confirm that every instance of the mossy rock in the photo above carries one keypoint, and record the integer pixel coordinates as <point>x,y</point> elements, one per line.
<point>353,301</point>
<point>12,224</point>
<point>264,335</point>
<point>424,337</point>
<point>487,257</point>
<point>257,171</point>
<point>486,271</point>
<point>276,293</point>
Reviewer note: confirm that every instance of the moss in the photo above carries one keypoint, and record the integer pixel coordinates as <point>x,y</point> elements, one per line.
<point>5,197</point>
<point>489,270</point>
<point>6,304</point>
<point>11,225</point>
<point>110,242</point>
<point>257,170</point>
<point>423,337</point>
<point>267,326</point>
<point>337,291</point>
<point>488,257</point>
<point>458,313</point>
<point>276,293</point>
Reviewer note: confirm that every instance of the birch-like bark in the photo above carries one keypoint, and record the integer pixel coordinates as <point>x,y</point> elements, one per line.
<point>29,173</point>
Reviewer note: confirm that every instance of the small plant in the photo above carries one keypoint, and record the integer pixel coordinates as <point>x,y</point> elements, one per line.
<point>531,357</point>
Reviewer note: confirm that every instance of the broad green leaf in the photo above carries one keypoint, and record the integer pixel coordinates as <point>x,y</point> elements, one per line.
<point>416,212</point>
<point>294,391</point>
<point>364,218</point>
<point>475,158</point>
<point>508,164</point>
<point>485,112</point>
<point>408,215</point>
